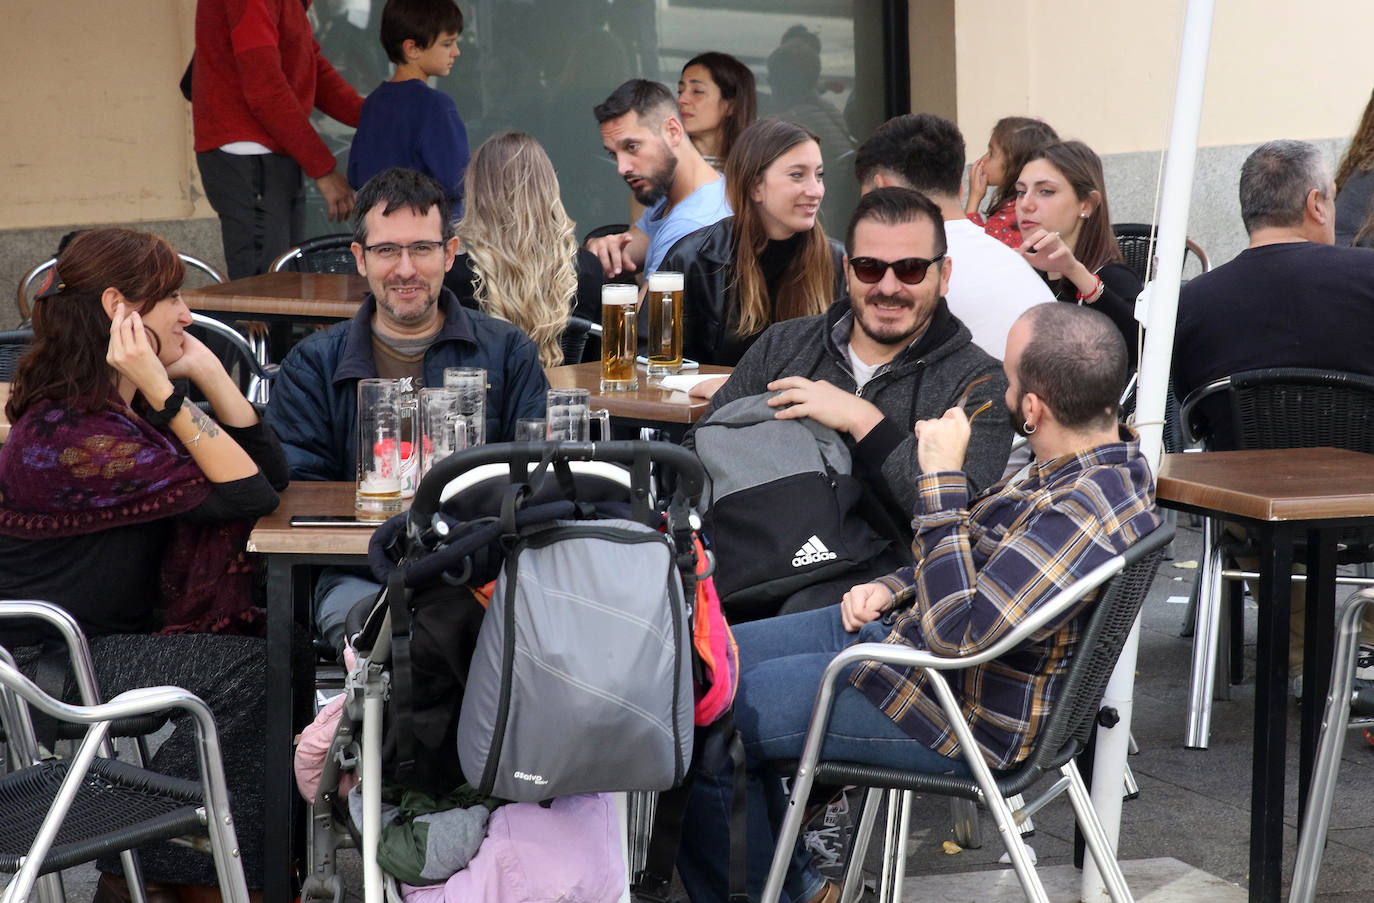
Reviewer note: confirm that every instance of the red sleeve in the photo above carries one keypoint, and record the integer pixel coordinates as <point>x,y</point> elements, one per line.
<point>254,38</point>
<point>333,96</point>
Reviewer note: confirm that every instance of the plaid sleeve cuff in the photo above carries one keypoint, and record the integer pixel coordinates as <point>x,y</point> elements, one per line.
<point>941,492</point>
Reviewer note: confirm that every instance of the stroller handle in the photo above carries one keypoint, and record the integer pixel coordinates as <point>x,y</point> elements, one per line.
<point>684,463</point>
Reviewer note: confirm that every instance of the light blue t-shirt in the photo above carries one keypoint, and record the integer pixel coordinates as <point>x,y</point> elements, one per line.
<point>702,207</point>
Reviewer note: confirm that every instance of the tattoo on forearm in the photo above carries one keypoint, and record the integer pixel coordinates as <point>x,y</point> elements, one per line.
<point>204,424</point>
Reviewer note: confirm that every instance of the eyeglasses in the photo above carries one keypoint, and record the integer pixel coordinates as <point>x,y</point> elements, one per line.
<point>418,250</point>
<point>911,270</point>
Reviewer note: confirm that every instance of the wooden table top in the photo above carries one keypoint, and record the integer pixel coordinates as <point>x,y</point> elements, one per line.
<point>318,296</point>
<point>1288,484</point>
<point>274,533</point>
<point>4,421</point>
<point>648,402</point>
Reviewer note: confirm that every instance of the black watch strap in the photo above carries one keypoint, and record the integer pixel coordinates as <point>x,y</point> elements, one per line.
<point>162,418</point>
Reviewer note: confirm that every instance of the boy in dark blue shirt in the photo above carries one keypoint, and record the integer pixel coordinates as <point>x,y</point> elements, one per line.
<point>405,122</point>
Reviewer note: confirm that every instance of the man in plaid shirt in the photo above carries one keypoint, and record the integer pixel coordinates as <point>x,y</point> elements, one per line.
<point>983,564</point>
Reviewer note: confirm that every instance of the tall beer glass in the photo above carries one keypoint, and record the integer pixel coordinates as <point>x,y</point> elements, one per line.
<point>618,338</point>
<point>663,306</point>
<point>378,494</point>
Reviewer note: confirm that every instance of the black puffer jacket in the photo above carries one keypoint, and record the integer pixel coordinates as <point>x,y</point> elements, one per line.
<point>710,307</point>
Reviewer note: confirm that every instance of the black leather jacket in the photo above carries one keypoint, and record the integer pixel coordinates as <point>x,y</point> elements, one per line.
<point>710,309</point>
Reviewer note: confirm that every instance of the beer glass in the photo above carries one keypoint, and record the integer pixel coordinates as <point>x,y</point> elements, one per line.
<point>570,415</point>
<point>618,338</point>
<point>378,493</point>
<point>531,429</point>
<point>663,306</point>
<point>472,385</point>
<point>444,428</point>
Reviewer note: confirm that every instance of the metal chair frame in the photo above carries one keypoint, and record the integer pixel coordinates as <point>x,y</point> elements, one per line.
<point>1211,648</point>
<point>24,303</point>
<point>1128,234</point>
<point>298,257</point>
<point>1063,737</point>
<point>1326,764</point>
<point>18,693</point>
<point>260,374</point>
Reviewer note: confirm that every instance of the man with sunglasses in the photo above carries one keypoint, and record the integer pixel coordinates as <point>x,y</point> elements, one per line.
<point>992,284</point>
<point>889,355</point>
<point>409,327</point>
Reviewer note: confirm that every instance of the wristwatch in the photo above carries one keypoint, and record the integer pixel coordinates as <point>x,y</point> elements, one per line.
<point>162,418</point>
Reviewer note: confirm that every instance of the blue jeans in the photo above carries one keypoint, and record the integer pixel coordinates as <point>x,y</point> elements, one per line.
<point>336,592</point>
<point>781,663</point>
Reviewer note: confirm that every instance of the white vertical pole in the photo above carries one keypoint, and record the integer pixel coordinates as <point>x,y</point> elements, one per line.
<point>1109,764</point>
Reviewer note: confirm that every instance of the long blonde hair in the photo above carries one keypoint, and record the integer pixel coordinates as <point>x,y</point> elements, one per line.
<point>808,282</point>
<point>519,240</point>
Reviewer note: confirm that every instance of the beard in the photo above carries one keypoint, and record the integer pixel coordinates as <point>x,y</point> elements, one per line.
<point>889,335</point>
<point>658,182</point>
<point>1018,423</point>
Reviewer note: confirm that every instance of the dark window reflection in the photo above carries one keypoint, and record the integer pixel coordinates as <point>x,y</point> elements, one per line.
<point>541,65</point>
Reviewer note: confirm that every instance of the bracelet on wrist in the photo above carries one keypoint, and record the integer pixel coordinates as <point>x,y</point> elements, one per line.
<point>1093,295</point>
<point>162,418</point>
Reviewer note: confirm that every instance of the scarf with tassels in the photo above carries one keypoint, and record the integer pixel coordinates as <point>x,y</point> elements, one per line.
<point>66,471</point>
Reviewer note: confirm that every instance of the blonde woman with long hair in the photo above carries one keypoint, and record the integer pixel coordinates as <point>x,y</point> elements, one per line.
<point>518,259</point>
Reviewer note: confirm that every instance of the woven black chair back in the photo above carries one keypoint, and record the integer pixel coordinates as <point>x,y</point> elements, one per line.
<point>1298,407</point>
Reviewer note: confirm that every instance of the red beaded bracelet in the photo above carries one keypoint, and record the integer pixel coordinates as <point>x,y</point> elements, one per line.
<point>1092,296</point>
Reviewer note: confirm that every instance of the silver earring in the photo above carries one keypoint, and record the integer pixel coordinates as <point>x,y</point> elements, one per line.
<point>1028,427</point>
<point>1082,216</point>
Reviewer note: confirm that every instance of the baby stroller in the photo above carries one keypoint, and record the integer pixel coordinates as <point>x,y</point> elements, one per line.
<point>578,677</point>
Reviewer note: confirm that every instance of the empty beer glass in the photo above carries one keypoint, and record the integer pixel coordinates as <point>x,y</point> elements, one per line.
<point>618,337</point>
<point>444,428</point>
<point>570,415</point>
<point>472,383</point>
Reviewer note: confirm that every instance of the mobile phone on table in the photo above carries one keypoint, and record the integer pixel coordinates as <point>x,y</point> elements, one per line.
<point>330,520</point>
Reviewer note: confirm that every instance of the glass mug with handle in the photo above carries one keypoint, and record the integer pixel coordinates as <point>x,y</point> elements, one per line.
<point>663,307</point>
<point>378,492</point>
<point>570,416</point>
<point>619,337</point>
<point>444,428</point>
<point>471,383</point>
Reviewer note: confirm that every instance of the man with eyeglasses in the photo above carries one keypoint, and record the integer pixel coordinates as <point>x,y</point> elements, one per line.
<point>886,357</point>
<point>409,327</point>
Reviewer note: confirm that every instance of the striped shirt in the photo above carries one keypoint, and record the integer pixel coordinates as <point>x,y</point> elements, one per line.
<point>984,566</point>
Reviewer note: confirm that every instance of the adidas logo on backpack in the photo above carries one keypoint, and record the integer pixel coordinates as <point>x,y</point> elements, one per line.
<point>813,552</point>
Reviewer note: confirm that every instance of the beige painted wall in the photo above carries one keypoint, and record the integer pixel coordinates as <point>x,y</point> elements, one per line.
<point>1103,70</point>
<point>96,130</point>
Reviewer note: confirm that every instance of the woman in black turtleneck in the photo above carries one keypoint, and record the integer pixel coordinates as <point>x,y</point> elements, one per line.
<point>770,261</point>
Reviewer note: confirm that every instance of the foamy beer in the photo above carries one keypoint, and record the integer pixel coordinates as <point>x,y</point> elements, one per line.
<point>618,337</point>
<point>663,306</point>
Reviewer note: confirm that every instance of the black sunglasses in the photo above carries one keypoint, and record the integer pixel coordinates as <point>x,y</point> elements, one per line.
<point>910,270</point>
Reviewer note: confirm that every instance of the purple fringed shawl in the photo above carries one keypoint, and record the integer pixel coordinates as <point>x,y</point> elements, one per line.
<point>67,472</point>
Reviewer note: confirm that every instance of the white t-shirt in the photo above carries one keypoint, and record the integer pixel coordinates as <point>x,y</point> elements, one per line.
<point>702,207</point>
<point>990,285</point>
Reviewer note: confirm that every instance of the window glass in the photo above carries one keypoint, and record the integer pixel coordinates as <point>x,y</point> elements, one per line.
<point>541,65</point>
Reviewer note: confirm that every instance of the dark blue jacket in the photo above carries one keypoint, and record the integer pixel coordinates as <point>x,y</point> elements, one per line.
<point>314,399</point>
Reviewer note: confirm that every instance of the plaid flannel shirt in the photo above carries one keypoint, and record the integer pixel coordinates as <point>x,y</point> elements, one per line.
<point>984,566</point>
